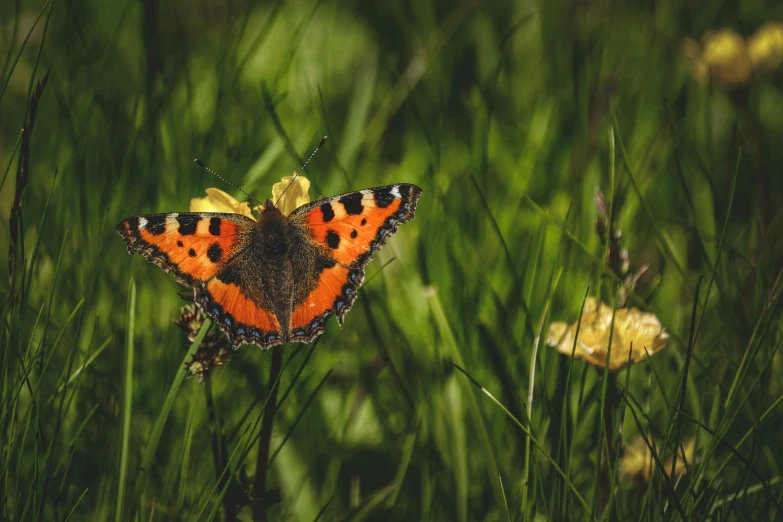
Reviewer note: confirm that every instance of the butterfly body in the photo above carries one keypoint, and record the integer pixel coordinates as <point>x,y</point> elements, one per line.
<point>274,280</point>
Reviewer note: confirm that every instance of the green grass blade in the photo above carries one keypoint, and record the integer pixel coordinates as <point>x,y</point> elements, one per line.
<point>152,443</point>
<point>10,71</point>
<point>299,416</point>
<point>535,442</point>
<point>130,330</point>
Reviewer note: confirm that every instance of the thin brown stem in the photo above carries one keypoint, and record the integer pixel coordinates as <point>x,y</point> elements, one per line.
<point>259,509</point>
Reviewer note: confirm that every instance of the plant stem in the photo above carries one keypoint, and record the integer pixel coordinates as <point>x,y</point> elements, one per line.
<point>259,510</point>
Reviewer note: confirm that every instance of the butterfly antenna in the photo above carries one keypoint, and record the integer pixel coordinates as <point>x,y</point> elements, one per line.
<point>296,174</point>
<point>201,164</point>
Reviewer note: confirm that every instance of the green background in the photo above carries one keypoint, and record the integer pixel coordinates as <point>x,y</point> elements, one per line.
<point>510,117</point>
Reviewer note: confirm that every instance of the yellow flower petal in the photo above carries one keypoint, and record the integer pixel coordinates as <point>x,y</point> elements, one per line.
<point>636,336</point>
<point>726,55</point>
<point>293,196</point>
<point>637,460</point>
<point>765,48</point>
<point>219,201</point>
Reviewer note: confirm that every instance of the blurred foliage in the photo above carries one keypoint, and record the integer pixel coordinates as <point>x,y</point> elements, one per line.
<point>511,116</point>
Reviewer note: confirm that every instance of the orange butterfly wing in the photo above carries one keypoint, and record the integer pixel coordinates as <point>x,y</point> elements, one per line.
<point>202,250</point>
<point>348,229</point>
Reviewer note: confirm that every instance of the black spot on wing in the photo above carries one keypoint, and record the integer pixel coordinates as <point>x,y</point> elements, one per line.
<point>383,197</point>
<point>156,225</point>
<point>187,224</point>
<point>352,203</point>
<point>354,233</point>
<point>214,252</point>
<point>192,253</point>
<point>214,226</point>
<point>179,243</point>
<point>364,222</point>
<point>327,211</point>
<point>332,239</point>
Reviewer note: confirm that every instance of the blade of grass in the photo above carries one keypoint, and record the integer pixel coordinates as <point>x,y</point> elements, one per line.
<point>130,330</point>
<point>505,501</point>
<point>78,371</point>
<point>241,451</point>
<point>152,443</point>
<point>186,448</point>
<point>11,158</point>
<point>265,439</point>
<point>535,442</point>
<point>24,44</point>
<point>512,264</point>
<point>658,462</point>
<point>654,222</point>
<point>270,108</point>
<point>299,417</point>
<point>747,491</point>
<point>34,257</point>
<point>475,414</point>
<point>747,357</point>
<point>75,505</point>
<point>372,501</point>
<point>407,452</point>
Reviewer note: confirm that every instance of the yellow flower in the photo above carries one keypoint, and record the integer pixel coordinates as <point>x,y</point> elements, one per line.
<point>219,201</point>
<point>295,196</point>
<point>727,58</point>
<point>637,460</point>
<point>765,47</point>
<point>637,335</point>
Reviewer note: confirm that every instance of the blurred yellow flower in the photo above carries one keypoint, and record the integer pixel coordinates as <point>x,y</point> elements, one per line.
<point>219,201</point>
<point>637,460</point>
<point>636,336</point>
<point>765,47</point>
<point>727,58</point>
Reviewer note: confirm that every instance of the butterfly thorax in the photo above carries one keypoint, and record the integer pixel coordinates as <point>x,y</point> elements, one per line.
<point>271,234</point>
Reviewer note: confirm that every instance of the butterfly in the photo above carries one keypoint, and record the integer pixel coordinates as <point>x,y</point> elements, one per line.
<point>275,280</point>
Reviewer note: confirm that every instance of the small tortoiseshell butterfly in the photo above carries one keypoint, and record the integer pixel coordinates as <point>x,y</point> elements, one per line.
<point>274,280</point>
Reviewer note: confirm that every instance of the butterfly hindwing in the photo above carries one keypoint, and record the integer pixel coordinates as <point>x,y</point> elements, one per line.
<point>235,299</point>
<point>347,229</point>
<point>333,290</point>
<point>193,246</point>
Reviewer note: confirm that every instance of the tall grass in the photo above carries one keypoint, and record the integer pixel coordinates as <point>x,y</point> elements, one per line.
<point>438,399</point>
